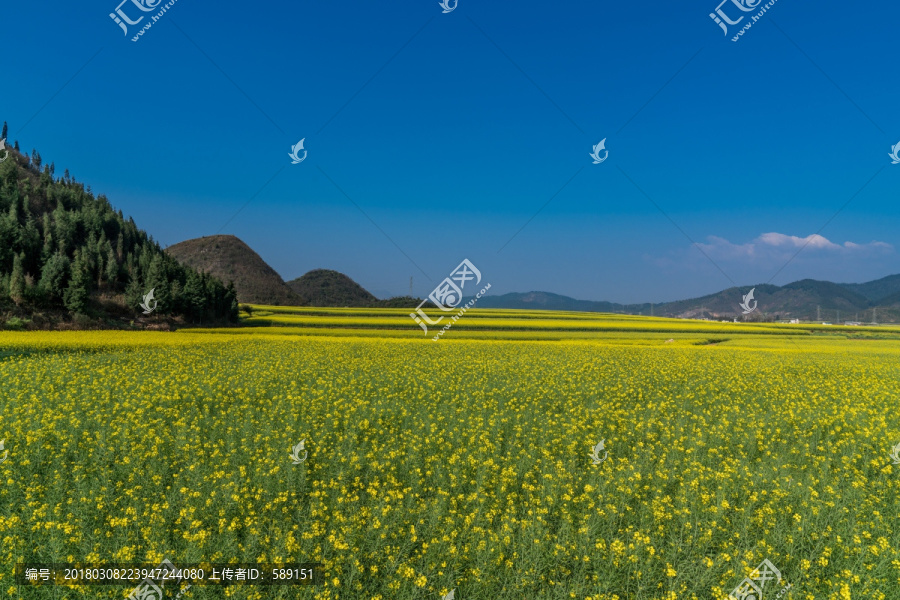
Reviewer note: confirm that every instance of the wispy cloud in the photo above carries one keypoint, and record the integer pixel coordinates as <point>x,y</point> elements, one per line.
<point>773,246</point>
<point>779,256</point>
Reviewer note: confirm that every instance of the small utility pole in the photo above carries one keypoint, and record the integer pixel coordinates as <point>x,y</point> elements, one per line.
<point>651,309</point>
<point>838,320</point>
<point>410,286</point>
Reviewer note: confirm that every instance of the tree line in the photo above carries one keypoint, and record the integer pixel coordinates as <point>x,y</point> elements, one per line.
<point>61,247</point>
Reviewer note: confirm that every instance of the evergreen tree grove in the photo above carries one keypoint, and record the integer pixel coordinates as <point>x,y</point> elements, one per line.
<point>76,248</point>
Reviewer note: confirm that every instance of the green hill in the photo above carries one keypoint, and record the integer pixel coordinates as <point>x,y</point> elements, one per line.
<point>230,259</point>
<point>67,256</point>
<point>323,287</point>
<point>877,291</point>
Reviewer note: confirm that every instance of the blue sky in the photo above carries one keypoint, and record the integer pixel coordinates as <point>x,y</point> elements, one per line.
<point>435,137</point>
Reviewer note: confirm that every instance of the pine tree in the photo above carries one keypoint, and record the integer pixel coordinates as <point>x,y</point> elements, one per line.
<point>5,131</point>
<point>231,298</point>
<point>76,295</point>
<point>17,281</point>
<point>193,296</point>
<point>134,294</point>
<point>47,250</point>
<point>159,283</point>
<point>112,267</point>
<point>55,277</point>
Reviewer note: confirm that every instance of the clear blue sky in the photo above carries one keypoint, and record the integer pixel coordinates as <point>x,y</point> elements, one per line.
<point>451,131</point>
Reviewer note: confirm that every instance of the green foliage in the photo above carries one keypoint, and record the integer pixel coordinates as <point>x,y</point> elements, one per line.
<point>76,295</point>
<point>77,246</point>
<point>112,267</point>
<point>16,324</point>
<point>17,281</point>
<point>55,277</point>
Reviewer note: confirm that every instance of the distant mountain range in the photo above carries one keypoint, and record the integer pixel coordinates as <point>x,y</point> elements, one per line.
<point>229,259</point>
<point>807,300</point>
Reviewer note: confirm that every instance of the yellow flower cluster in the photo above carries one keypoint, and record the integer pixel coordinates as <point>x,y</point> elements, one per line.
<point>458,465</point>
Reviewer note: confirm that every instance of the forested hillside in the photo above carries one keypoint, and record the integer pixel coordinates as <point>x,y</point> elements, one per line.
<point>66,255</point>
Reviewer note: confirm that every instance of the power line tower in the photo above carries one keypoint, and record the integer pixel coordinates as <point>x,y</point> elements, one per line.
<point>410,286</point>
<point>838,320</point>
<point>874,319</point>
<point>651,309</point>
<point>819,314</point>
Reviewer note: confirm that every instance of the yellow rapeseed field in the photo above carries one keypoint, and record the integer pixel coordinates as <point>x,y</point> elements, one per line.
<point>457,465</point>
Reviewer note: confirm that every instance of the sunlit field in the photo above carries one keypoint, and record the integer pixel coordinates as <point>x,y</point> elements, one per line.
<point>460,464</point>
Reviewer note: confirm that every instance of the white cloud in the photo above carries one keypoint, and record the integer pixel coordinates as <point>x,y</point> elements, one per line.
<point>771,246</point>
